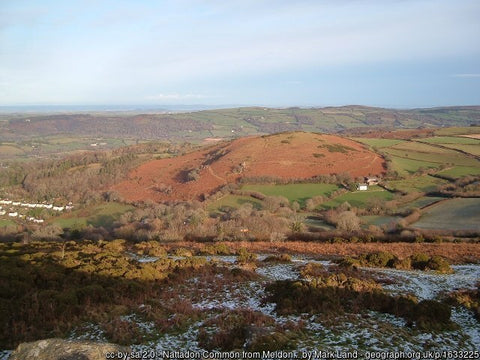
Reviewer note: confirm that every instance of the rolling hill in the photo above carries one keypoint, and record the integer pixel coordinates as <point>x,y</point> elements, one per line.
<point>228,123</point>
<point>294,155</point>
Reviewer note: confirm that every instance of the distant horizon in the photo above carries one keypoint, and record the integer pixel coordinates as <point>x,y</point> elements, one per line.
<point>187,107</point>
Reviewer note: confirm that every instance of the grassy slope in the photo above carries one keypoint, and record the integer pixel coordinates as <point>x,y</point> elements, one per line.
<point>409,156</point>
<point>359,198</point>
<point>378,143</point>
<point>456,214</point>
<point>424,183</point>
<point>234,201</point>
<point>293,192</point>
<point>98,215</point>
<point>451,140</point>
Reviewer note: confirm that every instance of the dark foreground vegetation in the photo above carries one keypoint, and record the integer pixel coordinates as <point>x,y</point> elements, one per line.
<point>54,288</point>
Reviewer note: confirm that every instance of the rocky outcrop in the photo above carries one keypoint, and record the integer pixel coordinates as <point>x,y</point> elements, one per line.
<point>59,349</point>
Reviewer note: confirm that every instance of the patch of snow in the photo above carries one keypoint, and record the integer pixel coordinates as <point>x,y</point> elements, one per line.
<point>143,259</point>
<point>429,285</point>
<point>278,272</point>
<point>468,324</point>
<point>173,342</point>
<point>5,354</point>
<point>88,332</point>
<point>229,259</point>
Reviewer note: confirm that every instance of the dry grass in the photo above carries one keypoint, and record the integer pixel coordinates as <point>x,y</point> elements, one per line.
<point>454,252</point>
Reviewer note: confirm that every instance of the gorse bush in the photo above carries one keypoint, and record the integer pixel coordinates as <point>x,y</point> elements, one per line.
<point>385,259</point>
<point>45,292</point>
<point>334,294</point>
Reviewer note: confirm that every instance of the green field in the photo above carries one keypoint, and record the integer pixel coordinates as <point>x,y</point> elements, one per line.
<point>409,166</point>
<point>100,215</point>
<point>468,148</point>
<point>378,143</point>
<point>454,214</point>
<point>293,192</point>
<point>430,154</point>
<point>359,198</point>
<point>459,171</point>
<point>424,183</point>
<point>457,131</point>
<point>318,224</point>
<point>420,202</point>
<point>451,140</point>
<point>379,220</point>
<point>233,201</point>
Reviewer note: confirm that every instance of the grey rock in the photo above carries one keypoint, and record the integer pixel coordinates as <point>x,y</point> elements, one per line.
<point>59,349</point>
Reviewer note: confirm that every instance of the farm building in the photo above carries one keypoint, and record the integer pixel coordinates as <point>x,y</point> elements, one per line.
<point>362,187</point>
<point>371,180</point>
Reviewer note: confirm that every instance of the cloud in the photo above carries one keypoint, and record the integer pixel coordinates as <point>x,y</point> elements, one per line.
<point>466,75</point>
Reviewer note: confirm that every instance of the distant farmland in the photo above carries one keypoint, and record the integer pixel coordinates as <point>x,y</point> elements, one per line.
<point>455,214</point>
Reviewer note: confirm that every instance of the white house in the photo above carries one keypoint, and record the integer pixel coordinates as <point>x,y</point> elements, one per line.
<point>13,214</point>
<point>2,212</point>
<point>362,187</point>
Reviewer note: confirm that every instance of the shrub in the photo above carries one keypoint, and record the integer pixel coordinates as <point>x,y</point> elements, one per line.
<point>432,315</point>
<point>339,293</point>
<point>282,258</point>
<point>468,298</point>
<point>379,259</point>
<point>311,270</point>
<point>245,257</point>
<point>274,341</point>
<point>231,329</point>
<point>348,221</point>
<point>419,261</point>
<point>183,252</point>
<point>117,245</point>
<point>439,264</point>
<point>217,249</point>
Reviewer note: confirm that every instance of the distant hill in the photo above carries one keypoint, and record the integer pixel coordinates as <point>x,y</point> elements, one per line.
<point>295,155</point>
<point>231,123</point>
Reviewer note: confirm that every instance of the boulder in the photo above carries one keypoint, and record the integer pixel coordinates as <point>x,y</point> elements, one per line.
<point>59,349</point>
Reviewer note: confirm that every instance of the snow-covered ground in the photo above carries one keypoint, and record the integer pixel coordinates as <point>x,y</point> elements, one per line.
<point>371,331</point>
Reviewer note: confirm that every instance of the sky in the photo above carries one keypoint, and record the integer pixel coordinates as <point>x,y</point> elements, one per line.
<point>390,53</point>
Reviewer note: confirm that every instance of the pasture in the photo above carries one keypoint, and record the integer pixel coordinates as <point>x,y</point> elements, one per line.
<point>454,214</point>
<point>451,140</point>
<point>459,171</point>
<point>359,198</point>
<point>421,202</point>
<point>98,215</point>
<point>233,201</point>
<point>405,166</point>
<point>473,149</point>
<point>425,183</point>
<point>378,143</point>
<point>293,192</point>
